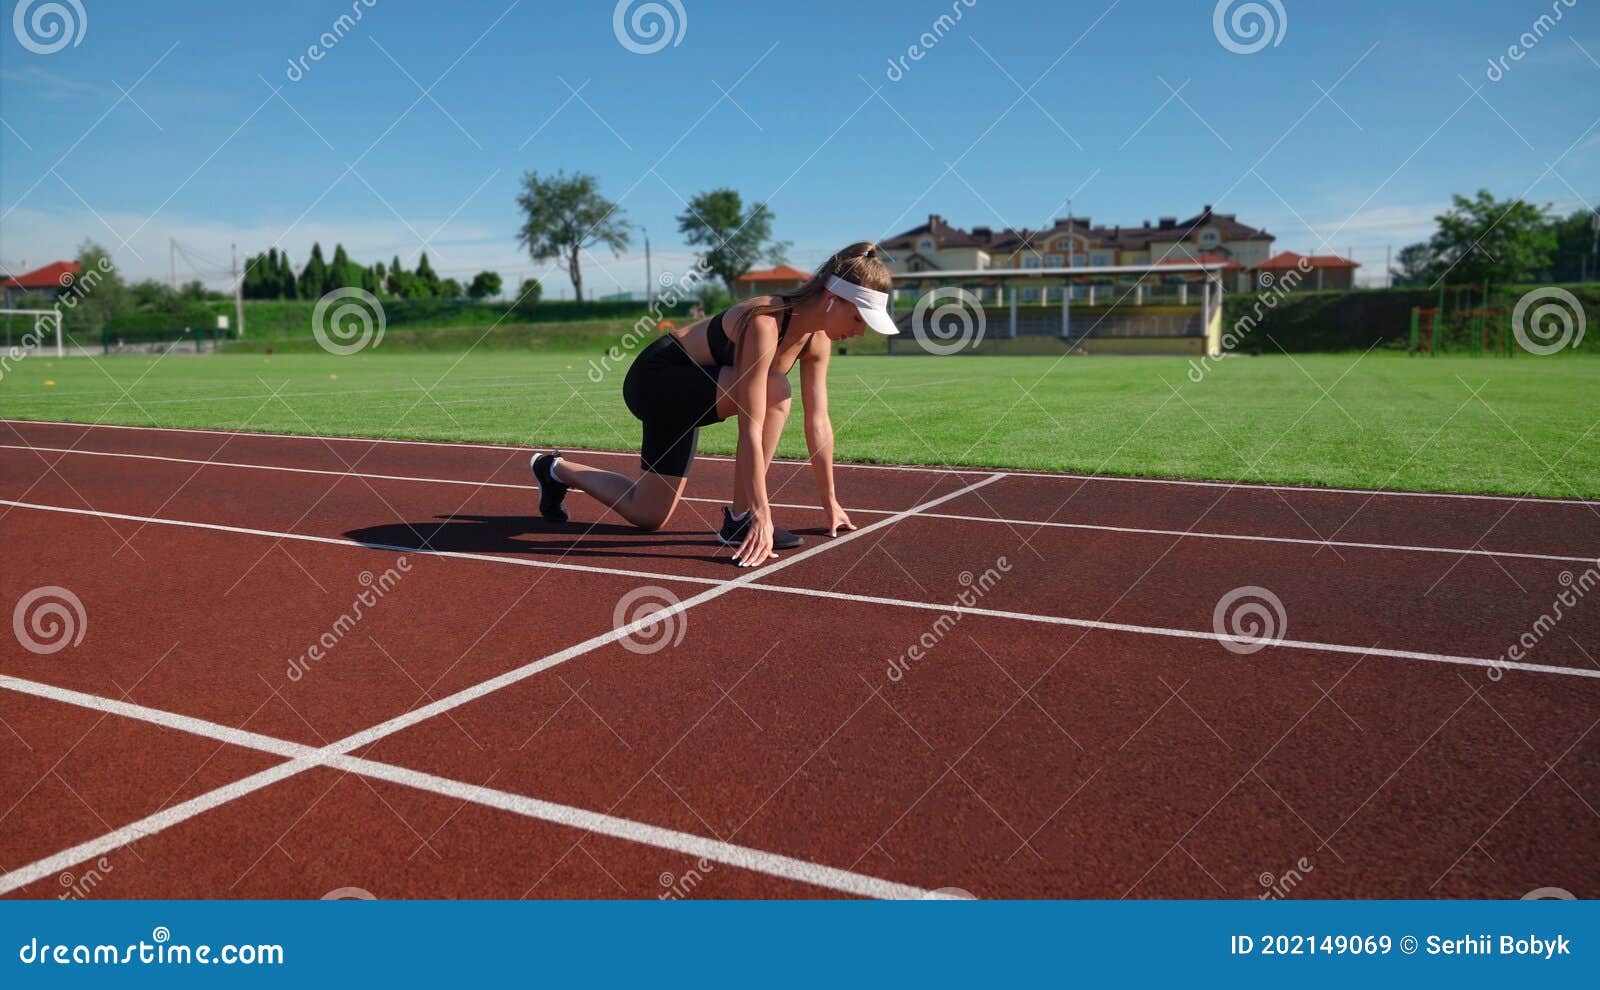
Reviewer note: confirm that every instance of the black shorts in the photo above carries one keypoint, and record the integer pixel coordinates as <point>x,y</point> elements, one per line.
<point>673,397</point>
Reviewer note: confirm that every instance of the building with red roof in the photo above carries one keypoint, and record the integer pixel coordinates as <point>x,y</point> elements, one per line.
<point>53,279</point>
<point>770,281</point>
<point>1317,271</point>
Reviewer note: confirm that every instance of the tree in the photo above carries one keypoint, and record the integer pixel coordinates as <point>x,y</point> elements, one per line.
<point>314,279</point>
<point>287,285</point>
<point>529,292</point>
<point>1418,265</point>
<point>450,289</point>
<point>96,294</point>
<point>1574,256</point>
<point>734,240</point>
<point>426,278</point>
<point>1487,240</point>
<point>484,285</point>
<point>564,216</point>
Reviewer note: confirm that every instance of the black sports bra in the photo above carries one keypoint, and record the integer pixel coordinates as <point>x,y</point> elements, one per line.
<point>722,348</point>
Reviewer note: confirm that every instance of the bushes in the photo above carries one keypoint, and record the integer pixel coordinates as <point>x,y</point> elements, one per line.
<point>1364,318</point>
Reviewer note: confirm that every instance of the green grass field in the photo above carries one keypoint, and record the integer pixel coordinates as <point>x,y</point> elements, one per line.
<point>1385,421</point>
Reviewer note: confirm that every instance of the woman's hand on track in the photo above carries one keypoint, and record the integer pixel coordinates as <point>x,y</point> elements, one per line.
<point>837,519</point>
<point>757,546</point>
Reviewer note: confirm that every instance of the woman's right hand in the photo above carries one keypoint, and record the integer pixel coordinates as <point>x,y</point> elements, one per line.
<point>757,546</point>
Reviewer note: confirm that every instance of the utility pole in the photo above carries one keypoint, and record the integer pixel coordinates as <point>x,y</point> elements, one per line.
<point>238,295</point>
<point>649,282</point>
<point>172,251</point>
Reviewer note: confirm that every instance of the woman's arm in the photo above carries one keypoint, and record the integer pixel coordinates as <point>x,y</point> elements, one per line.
<point>758,343</point>
<point>819,428</point>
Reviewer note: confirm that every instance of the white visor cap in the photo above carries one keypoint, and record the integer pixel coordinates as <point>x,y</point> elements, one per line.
<point>872,304</point>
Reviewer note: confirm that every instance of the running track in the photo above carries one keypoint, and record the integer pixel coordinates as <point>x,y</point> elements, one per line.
<point>491,727</point>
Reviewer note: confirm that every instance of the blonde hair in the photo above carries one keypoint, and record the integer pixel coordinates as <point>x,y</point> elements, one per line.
<point>858,263</point>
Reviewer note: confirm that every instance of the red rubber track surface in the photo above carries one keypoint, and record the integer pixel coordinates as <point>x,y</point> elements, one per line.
<point>1007,756</point>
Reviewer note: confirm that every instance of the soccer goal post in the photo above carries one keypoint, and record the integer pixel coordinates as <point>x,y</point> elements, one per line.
<point>1171,307</point>
<point>46,325</point>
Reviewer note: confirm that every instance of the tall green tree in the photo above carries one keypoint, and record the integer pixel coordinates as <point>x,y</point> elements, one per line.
<point>314,279</point>
<point>484,285</point>
<point>1416,265</point>
<point>1488,240</point>
<point>427,278</point>
<point>734,238</point>
<point>529,292</point>
<point>564,216</point>
<point>288,286</point>
<point>1574,256</point>
<point>96,295</point>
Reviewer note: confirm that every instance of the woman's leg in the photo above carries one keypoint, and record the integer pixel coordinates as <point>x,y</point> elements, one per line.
<point>647,501</point>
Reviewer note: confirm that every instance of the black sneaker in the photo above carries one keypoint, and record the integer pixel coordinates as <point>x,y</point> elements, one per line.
<point>732,533</point>
<point>551,491</point>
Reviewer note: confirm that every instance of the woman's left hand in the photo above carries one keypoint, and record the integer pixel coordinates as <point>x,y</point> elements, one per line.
<point>837,519</point>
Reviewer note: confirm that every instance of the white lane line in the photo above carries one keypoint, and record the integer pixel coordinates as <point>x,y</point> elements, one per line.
<point>305,757</point>
<point>334,541</point>
<point>1533,501</point>
<point>1123,627</point>
<point>1094,527</point>
<point>358,474</point>
<point>205,802</point>
<point>817,593</point>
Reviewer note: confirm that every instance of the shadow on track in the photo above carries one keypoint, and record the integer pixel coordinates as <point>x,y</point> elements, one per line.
<point>532,535</point>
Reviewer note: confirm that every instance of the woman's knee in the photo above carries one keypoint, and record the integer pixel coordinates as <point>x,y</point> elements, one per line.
<point>779,392</point>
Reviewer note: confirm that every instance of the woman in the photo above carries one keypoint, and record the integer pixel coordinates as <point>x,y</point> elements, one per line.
<point>736,364</point>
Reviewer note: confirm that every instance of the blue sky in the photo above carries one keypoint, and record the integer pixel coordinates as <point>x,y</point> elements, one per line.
<point>1017,106</point>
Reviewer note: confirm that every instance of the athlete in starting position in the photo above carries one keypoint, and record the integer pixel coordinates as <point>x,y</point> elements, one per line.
<point>736,364</point>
